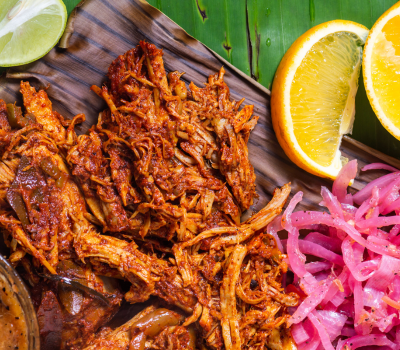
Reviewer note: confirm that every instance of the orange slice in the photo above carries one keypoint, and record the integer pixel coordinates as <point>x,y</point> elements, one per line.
<point>381,69</point>
<point>313,95</point>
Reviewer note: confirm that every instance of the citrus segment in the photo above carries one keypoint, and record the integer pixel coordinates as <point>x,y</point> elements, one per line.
<point>313,95</point>
<point>319,94</point>
<point>29,29</point>
<point>382,69</point>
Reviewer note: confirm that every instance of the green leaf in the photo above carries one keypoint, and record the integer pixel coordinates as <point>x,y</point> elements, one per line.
<point>70,4</point>
<point>254,35</point>
<point>216,23</point>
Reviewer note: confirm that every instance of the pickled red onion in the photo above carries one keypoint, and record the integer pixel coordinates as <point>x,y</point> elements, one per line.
<point>379,166</point>
<point>355,279</point>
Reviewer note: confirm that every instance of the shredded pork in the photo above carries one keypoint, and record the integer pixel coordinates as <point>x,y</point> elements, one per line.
<point>153,195</point>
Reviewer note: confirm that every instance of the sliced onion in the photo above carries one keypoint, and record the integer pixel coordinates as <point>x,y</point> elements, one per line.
<point>375,166</point>
<point>381,182</point>
<point>395,288</point>
<point>368,204</point>
<point>311,248</point>
<point>346,174</point>
<point>392,207</point>
<point>296,258</point>
<point>352,254</point>
<point>273,228</point>
<point>379,222</point>
<point>389,196</point>
<point>336,293</point>
<point>366,340</point>
<point>299,334</point>
<point>333,322</point>
<point>331,202</point>
<point>311,302</point>
<point>286,218</point>
<point>318,266</point>
<point>297,261</point>
<point>372,297</point>
<point>382,247</point>
<point>325,340</point>
<point>305,219</point>
<point>329,243</point>
<point>314,341</point>
<point>385,324</point>
<point>389,267</point>
<point>348,332</point>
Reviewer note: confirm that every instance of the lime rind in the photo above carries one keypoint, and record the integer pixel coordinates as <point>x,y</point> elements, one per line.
<point>30,29</point>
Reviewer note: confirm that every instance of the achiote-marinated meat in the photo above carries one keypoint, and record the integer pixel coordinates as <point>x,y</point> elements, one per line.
<point>152,195</point>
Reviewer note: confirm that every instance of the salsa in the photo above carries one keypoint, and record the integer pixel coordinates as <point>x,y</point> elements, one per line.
<point>12,319</point>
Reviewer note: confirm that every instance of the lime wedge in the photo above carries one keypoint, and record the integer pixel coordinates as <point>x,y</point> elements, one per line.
<point>29,29</point>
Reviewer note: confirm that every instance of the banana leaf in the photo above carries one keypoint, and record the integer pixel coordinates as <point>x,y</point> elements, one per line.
<point>105,29</point>
<point>253,35</point>
<point>70,5</point>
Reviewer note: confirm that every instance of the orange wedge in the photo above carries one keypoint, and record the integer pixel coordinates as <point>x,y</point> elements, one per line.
<point>313,95</point>
<point>381,69</point>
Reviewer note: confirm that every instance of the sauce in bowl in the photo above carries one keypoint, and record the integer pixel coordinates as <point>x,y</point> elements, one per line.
<point>18,322</point>
<point>13,329</point>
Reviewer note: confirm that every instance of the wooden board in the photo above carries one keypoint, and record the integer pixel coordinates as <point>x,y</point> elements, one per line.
<point>106,29</point>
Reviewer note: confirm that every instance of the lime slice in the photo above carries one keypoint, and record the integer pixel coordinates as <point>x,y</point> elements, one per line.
<point>29,29</point>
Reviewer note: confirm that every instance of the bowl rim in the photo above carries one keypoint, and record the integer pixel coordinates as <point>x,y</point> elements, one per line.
<point>23,296</point>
